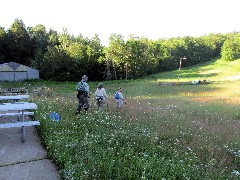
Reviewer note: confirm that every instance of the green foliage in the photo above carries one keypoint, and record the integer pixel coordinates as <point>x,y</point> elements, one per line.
<point>231,49</point>
<point>19,45</point>
<point>39,38</point>
<point>94,53</point>
<point>52,52</point>
<point>115,55</point>
<point>2,44</point>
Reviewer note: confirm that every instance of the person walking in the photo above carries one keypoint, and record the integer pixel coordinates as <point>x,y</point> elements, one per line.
<point>83,95</point>
<point>101,97</point>
<point>119,98</point>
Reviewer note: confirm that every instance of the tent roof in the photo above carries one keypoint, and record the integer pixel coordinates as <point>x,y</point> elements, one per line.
<point>12,66</point>
<point>4,67</point>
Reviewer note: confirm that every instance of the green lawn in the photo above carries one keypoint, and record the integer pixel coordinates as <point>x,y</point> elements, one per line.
<point>216,70</point>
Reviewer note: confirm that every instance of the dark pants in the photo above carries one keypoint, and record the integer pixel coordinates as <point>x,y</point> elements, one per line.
<point>100,104</point>
<point>83,102</point>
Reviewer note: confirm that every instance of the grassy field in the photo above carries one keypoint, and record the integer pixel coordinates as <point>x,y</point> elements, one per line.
<point>213,71</point>
<point>162,132</point>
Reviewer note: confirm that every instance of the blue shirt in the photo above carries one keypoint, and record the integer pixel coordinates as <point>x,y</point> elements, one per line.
<point>85,85</point>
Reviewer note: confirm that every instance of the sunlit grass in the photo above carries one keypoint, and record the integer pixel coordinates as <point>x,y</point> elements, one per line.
<point>216,70</point>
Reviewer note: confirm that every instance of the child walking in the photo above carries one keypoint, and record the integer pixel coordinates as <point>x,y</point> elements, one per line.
<point>119,98</point>
<point>101,97</point>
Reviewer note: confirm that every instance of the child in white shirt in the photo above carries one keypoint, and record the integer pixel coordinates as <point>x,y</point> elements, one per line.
<point>101,97</point>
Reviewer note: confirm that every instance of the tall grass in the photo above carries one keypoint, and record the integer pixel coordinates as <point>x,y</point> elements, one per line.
<point>168,132</point>
<point>162,132</point>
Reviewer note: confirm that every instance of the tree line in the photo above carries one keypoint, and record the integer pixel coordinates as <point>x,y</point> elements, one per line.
<point>65,57</point>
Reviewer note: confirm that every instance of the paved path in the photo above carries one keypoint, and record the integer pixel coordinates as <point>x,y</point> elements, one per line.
<point>24,161</point>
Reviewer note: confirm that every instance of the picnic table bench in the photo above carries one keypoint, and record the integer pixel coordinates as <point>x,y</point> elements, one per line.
<point>13,97</point>
<point>17,114</point>
<point>6,109</point>
<point>11,91</point>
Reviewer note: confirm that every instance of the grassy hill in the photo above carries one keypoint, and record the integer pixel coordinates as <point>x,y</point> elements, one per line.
<point>215,70</point>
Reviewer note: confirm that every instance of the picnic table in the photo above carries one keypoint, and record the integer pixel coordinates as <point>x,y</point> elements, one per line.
<point>14,97</point>
<point>11,91</point>
<point>9,109</point>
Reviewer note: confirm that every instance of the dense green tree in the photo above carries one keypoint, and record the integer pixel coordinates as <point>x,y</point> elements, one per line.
<point>65,39</point>
<point>61,56</point>
<point>151,61</point>
<point>94,53</point>
<point>195,50</point>
<point>163,54</point>
<point>140,59</point>
<point>57,64</point>
<point>2,44</point>
<point>177,48</point>
<point>53,39</point>
<point>231,47</point>
<point>39,38</point>
<point>19,47</point>
<point>230,50</point>
<point>77,51</point>
<point>116,54</point>
<point>215,41</point>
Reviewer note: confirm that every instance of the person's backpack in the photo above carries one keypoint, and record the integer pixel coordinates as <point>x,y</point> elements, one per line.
<point>116,96</point>
<point>80,89</point>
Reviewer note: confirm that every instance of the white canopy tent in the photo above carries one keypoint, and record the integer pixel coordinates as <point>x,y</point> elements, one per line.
<point>16,72</point>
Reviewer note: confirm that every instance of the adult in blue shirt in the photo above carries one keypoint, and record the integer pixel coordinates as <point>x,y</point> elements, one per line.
<point>83,95</point>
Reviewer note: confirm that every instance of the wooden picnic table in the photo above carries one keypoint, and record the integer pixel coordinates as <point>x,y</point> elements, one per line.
<point>6,110</point>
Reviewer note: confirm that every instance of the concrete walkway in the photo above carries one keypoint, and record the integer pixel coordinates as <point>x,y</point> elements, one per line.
<point>27,160</point>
